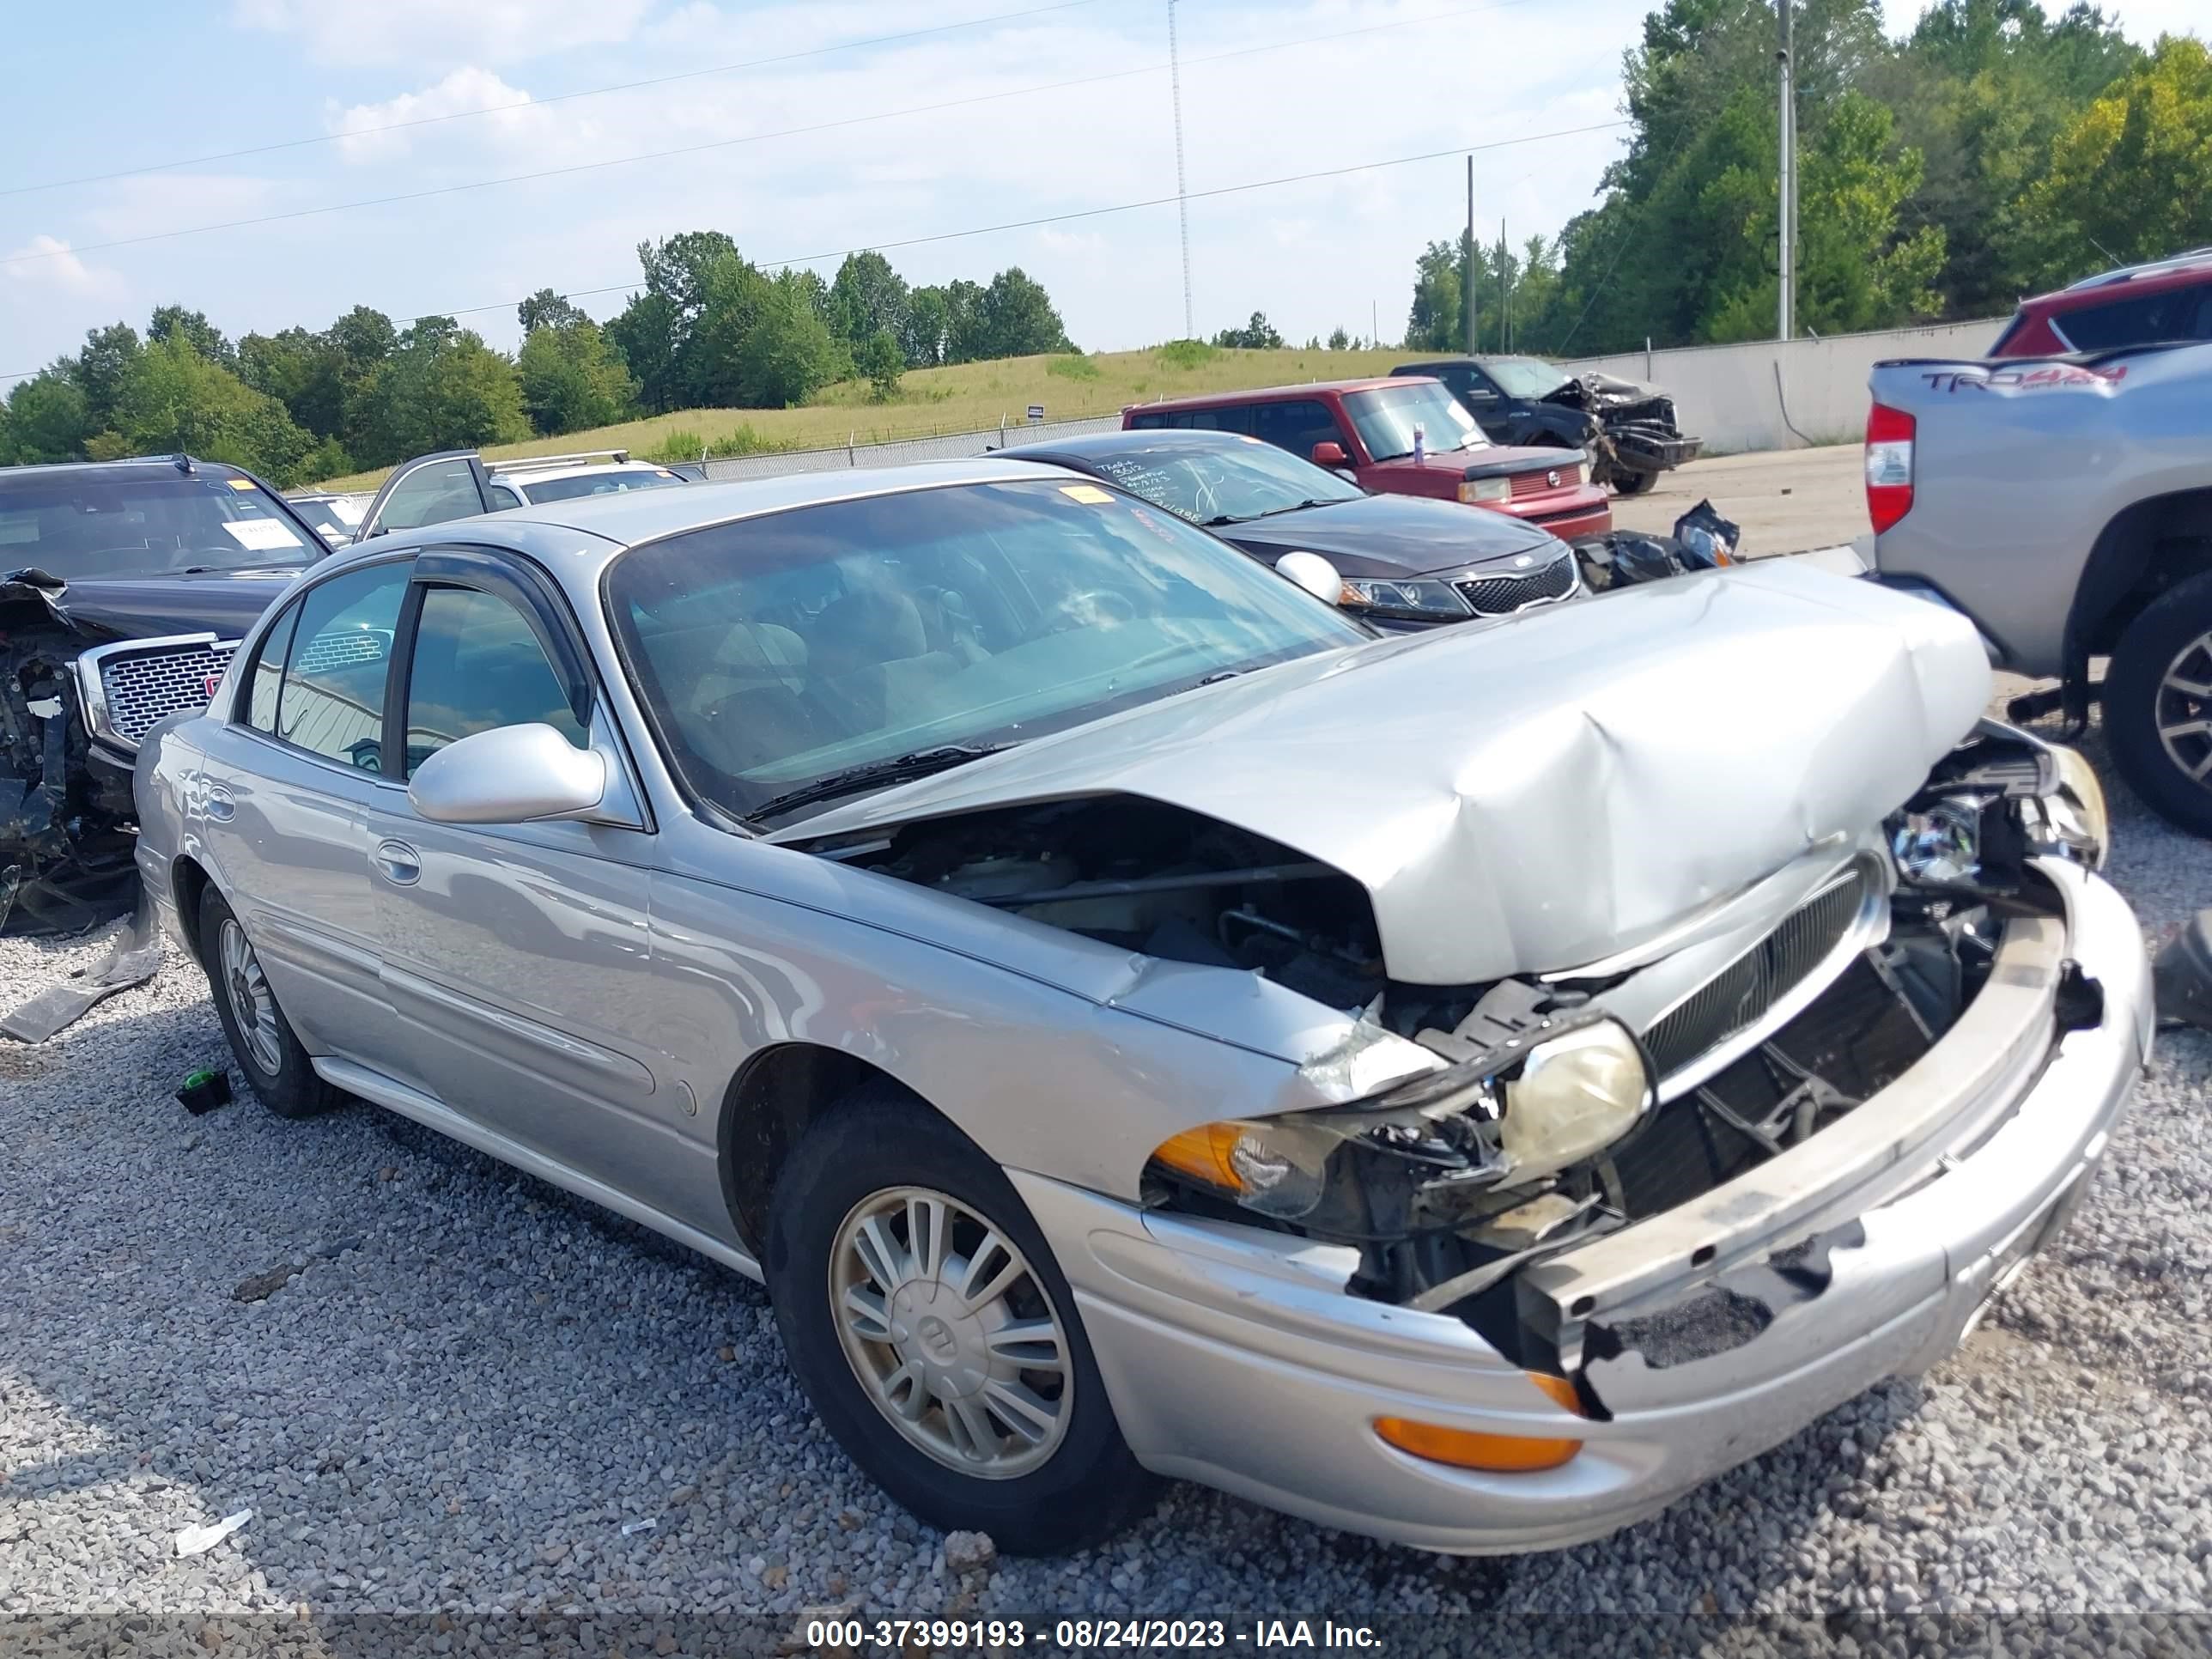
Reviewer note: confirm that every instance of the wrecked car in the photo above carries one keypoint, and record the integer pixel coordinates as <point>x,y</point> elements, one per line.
<point>1627,427</point>
<point>123,587</point>
<point>1401,562</point>
<point>1139,1024</point>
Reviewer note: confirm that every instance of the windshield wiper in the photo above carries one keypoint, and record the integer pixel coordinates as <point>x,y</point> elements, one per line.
<point>1295,507</point>
<point>898,769</point>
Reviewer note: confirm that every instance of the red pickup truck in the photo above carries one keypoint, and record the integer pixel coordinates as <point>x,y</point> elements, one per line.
<point>1401,436</point>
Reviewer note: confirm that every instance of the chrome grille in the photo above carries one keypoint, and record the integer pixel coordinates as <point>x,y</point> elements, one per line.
<point>144,687</point>
<point>1500,596</point>
<point>1739,996</point>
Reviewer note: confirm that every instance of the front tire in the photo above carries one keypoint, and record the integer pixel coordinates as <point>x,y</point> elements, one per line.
<point>936,1336</point>
<point>262,1041</point>
<point>2158,705</point>
<point>1632,483</point>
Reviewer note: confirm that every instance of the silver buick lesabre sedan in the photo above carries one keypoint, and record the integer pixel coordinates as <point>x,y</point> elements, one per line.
<point>1466,1088</point>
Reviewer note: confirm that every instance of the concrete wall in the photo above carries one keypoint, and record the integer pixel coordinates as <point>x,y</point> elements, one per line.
<point>1749,397</point>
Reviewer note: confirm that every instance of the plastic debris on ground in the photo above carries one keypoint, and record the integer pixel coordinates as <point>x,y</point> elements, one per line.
<point>132,959</point>
<point>631,1529</point>
<point>198,1540</point>
<point>2182,977</point>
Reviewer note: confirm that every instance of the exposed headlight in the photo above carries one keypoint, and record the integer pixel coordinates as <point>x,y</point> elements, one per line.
<point>1577,1095</point>
<point>1564,1100</point>
<point>1417,600</point>
<point>1474,490</point>
<point>1941,844</point>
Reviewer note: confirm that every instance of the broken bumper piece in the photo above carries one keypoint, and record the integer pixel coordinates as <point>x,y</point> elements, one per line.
<point>1872,1256</point>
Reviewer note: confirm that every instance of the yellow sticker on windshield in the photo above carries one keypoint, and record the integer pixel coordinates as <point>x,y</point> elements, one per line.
<point>1089,495</point>
<point>239,484</point>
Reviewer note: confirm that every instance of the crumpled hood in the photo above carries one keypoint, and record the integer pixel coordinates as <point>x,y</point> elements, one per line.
<point>1533,795</point>
<point>222,603</point>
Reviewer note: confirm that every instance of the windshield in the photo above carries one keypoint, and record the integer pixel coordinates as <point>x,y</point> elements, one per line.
<point>336,516</point>
<point>775,651</point>
<point>596,483</point>
<point>82,525</point>
<point>1523,377</point>
<point>1226,484</point>
<point>1386,417</point>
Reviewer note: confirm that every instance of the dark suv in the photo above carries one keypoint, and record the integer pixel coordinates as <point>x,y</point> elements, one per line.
<point>124,586</point>
<point>1399,437</point>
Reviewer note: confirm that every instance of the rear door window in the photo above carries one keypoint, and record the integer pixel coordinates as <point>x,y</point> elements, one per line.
<point>333,699</point>
<point>1297,427</point>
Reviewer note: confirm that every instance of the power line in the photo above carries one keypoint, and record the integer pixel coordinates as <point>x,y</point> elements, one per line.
<point>1051,218</point>
<point>749,138</point>
<point>542,103</point>
<point>1088,213</point>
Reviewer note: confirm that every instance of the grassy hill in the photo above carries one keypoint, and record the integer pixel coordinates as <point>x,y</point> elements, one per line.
<point>965,398</point>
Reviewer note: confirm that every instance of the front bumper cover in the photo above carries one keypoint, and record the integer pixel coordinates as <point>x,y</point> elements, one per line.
<point>1236,1356</point>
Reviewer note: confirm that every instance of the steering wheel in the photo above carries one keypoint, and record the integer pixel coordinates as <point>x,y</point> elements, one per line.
<point>1091,607</point>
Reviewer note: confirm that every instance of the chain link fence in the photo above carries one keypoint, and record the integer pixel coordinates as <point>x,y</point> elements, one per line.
<point>945,446</point>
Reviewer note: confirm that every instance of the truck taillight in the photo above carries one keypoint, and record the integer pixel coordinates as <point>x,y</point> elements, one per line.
<point>1889,465</point>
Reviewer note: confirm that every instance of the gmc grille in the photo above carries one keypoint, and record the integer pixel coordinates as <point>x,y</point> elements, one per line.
<point>144,687</point>
<point>1739,995</point>
<point>1501,596</point>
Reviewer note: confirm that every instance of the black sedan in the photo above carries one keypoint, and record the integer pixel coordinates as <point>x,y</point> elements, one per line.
<point>1405,561</point>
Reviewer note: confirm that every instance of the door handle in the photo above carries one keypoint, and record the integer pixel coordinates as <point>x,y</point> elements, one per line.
<point>401,864</point>
<point>220,805</point>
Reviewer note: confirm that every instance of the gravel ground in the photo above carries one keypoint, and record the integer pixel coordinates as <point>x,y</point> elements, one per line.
<point>450,1391</point>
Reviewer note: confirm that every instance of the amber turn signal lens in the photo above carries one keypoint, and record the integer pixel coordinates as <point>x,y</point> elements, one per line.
<point>1498,1453</point>
<point>1203,1155</point>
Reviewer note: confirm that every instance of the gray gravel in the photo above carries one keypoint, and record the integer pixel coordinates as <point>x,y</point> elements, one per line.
<point>444,1388</point>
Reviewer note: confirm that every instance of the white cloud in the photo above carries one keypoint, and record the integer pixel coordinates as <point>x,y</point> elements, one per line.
<point>437,33</point>
<point>511,119</point>
<point>46,261</point>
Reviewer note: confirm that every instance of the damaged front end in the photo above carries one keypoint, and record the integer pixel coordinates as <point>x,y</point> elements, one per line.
<point>1637,435</point>
<point>67,747</point>
<point>1612,1172</point>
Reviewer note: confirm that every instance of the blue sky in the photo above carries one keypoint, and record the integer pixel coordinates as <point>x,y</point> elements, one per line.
<point>160,84</point>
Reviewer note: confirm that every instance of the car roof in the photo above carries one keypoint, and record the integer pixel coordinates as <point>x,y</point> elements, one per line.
<point>523,472</point>
<point>192,467</point>
<point>1272,393</point>
<point>1098,445</point>
<point>617,521</point>
<point>2179,270</point>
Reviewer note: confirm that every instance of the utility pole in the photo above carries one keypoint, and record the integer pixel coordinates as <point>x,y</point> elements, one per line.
<point>1505,287</point>
<point>1787,193</point>
<point>1470,256</point>
<point>1182,199</point>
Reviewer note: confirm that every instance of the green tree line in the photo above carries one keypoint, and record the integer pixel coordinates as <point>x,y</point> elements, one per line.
<point>1996,150</point>
<point>709,328</point>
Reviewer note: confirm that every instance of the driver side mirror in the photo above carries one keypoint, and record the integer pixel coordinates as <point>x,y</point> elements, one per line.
<point>1313,572</point>
<point>509,774</point>
<point>1330,454</point>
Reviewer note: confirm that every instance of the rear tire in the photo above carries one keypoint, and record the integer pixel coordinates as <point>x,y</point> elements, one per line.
<point>2158,705</point>
<point>936,1336</point>
<point>268,1051</point>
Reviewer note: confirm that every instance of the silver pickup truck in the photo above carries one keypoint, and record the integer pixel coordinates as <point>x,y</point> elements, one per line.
<point>2065,506</point>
